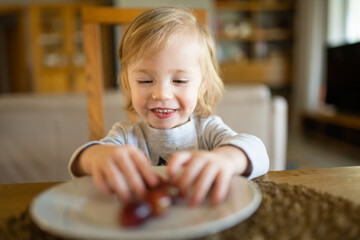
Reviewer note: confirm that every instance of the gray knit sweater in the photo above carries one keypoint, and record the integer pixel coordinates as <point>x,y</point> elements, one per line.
<point>200,133</point>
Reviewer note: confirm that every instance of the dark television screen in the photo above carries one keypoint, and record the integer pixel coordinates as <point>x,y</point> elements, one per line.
<point>343,78</point>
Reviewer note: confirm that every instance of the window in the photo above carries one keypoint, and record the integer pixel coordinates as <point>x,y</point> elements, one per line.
<point>343,22</point>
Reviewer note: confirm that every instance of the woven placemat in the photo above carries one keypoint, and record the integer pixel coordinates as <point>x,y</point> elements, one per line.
<point>297,212</point>
<point>286,212</point>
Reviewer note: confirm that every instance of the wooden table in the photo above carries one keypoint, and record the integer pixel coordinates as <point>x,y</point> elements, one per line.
<point>341,181</point>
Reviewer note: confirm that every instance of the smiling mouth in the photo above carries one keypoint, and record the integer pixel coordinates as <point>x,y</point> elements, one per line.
<point>163,112</point>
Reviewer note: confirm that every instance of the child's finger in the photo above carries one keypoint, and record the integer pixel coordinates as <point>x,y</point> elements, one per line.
<point>145,169</point>
<point>203,184</point>
<point>131,174</point>
<point>190,173</point>
<point>221,187</point>
<point>117,181</point>
<point>176,161</point>
<point>101,184</point>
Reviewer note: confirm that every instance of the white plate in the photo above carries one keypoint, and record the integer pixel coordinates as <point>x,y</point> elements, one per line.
<point>76,209</point>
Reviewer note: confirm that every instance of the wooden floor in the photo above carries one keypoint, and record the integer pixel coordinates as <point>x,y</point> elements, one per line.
<point>304,153</point>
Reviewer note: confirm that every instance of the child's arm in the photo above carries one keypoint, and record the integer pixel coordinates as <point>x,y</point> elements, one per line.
<point>203,169</point>
<point>119,169</point>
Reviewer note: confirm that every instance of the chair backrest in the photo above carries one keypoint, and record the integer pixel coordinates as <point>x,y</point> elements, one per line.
<point>93,18</point>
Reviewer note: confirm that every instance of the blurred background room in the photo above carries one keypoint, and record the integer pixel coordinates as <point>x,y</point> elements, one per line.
<point>298,58</point>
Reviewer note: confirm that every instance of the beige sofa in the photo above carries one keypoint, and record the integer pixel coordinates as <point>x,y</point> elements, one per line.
<point>38,133</point>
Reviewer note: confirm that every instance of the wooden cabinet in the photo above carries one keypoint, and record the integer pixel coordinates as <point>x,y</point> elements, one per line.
<point>255,40</point>
<point>57,58</point>
<point>13,75</point>
<point>339,131</point>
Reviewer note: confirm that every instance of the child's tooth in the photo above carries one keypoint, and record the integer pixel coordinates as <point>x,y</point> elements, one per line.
<point>163,110</point>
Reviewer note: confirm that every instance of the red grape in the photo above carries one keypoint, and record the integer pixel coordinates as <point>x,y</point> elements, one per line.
<point>159,200</point>
<point>171,190</point>
<point>135,213</point>
<point>156,202</point>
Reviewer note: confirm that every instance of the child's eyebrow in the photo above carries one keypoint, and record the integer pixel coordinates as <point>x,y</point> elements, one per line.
<point>142,70</point>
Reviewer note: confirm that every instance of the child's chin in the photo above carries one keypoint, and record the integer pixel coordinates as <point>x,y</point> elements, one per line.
<point>163,126</point>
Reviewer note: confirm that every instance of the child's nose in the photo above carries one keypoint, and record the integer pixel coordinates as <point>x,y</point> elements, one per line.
<point>162,92</point>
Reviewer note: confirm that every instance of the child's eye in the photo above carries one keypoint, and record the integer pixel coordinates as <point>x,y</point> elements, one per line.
<point>144,81</point>
<point>181,81</point>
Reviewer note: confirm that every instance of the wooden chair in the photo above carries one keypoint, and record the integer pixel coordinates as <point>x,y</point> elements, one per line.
<point>93,18</point>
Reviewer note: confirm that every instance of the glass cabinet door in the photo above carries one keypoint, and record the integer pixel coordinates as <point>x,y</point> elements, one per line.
<point>57,49</point>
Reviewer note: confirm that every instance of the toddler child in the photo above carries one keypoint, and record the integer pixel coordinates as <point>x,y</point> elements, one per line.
<point>169,76</point>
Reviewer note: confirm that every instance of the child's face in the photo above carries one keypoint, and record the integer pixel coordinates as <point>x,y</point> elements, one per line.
<point>164,87</point>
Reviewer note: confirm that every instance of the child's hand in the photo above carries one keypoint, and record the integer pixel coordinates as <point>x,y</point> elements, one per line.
<point>120,169</point>
<point>204,170</point>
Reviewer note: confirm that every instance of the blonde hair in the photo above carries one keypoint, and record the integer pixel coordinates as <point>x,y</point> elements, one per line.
<point>150,32</point>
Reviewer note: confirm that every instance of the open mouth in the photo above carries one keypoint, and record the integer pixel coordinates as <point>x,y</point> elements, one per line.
<point>163,112</point>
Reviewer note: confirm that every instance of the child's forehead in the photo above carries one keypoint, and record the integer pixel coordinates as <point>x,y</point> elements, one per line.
<point>178,41</point>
